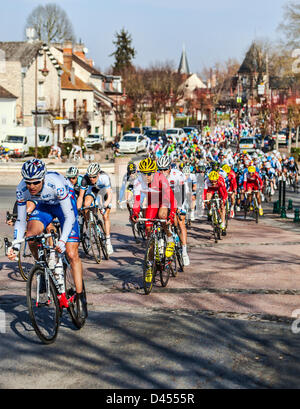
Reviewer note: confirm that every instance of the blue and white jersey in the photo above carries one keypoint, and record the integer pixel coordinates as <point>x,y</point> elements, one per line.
<point>55,193</point>
<point>55,189</point>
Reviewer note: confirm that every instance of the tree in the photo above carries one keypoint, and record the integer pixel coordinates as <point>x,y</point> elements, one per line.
<point>124,53</point>
<point>51,23</point>
<point>291,25</point>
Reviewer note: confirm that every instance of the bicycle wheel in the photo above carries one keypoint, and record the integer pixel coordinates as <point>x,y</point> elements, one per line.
<point>102,239</point>
<point>149,264</point>
<point>84,238</point>
<point>26,261</point>
<point>164,270</point>
<point>71,296</point>
<point>44,313</point>
<point>95,242</point>
<point>174,266</point>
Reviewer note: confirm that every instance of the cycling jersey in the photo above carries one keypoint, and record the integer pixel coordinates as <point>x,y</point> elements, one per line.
<point>159,194</point>
<point>96,189</point>
<point>127,184</point>
<point>219,188</point>
<point>252,181</point>
<point>53,201</point>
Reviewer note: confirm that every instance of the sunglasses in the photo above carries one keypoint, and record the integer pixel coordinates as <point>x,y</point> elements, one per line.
<point>148,174</point>
<point>75,177</point>
<point>33,183</point>
<point>93,177</point>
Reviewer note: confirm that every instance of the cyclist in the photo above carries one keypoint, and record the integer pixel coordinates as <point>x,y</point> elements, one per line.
<point>177,183</point>
<point>293,168</point>
<point>191,181</point>
<point>127,184</point>
<point>160,200</point>
<point>231,186</point>
<point>216,184</point>
<point>50,193</point>
<point>73,176</point>
<point>96,188</point>
<point>252,181</point>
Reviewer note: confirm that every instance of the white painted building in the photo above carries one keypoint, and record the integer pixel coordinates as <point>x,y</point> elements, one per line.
<point>7,111</point>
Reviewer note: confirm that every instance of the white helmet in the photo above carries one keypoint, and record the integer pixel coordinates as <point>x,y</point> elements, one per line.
<point>93,169</point>
<point>164,163</point>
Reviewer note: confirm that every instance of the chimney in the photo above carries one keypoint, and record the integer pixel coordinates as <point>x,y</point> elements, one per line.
<point>68,52</point>
<point>80,51</point>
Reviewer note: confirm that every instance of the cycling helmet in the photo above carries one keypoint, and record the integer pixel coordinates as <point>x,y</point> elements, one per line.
<point>34,169</point>
<point>291,158</point>
<point>72,172</point>
<point>164,163</point>
<point>215,166</point>
<point>93,169</point>
<point>214,176</point>
<point>186,170</point>
<point>131,168</point>
<point>226,169</point>
<point>148,166</point>
<point>251,169</point>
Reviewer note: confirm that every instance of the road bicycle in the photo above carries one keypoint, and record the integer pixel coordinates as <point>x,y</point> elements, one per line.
<point>25,257</point>
<point>251,205</point>
<point>138,229</point>
<point>155,260</point>
<point>94,238</point>
<point>49,291</point>
<point>215,217</point>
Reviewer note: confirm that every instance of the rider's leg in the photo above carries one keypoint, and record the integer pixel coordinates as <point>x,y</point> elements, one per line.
<point>76,264</point>
<point>34,228</point>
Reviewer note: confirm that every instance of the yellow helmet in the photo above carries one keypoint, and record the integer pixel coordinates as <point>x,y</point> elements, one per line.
<point>245,152</point>
<point>251,169</point>
<point>226,169</point>
<point>214,176</point>
<point>148,166</point>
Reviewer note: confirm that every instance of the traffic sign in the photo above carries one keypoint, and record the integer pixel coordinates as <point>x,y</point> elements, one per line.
<point>61,122</point>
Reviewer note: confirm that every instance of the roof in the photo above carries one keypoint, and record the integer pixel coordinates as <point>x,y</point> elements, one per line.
<point>6,94</point>
<point>253,58</point>
<point>20,51</point>
<point>78,85</point>
<point>184,65</point>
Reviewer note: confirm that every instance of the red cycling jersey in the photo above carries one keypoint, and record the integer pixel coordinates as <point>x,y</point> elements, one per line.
<point>159,194</point>
<point>219,188</point>
<point>252,181</point>
<point>232,182</point>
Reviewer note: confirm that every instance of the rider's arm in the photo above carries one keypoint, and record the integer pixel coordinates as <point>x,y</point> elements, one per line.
<point>82,191</point>
<point>69,215</point>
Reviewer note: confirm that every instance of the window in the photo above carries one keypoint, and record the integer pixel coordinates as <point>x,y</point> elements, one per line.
<point>41,93</point>
<point>84,105</point>
<point>97,129</point>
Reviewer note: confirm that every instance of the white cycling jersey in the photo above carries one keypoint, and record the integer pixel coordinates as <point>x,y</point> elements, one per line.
<point>55,191</point>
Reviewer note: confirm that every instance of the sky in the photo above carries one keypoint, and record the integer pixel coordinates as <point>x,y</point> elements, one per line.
<point>211,30</point>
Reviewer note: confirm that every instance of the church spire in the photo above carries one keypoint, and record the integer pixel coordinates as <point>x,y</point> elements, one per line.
<point>184,65</point>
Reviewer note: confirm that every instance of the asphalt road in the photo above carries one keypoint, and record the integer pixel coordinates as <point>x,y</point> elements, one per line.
<point>226,322</point>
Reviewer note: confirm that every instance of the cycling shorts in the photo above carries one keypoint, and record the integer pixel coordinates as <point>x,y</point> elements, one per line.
<point>252,186</point>
<point>45,213</point>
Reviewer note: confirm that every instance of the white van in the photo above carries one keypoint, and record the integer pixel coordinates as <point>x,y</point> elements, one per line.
<point>18,140</point>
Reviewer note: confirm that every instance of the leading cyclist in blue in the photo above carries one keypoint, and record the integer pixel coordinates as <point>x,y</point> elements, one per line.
<point>50,193</point>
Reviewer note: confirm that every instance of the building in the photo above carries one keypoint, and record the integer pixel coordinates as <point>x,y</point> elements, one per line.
<point>59,82</point>
<point>7,111</point>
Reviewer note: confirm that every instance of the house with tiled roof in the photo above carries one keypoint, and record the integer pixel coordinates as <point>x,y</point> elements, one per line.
<point>107,89</point>
<point>59,81</point>
<point>31,74</point>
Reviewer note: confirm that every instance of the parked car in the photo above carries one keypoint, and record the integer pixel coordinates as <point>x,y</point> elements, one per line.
<point>133,143</point>
<point>175,133</point>
<point>94,139</point>
<point>155,134</point>
<point>146,128</point>
<point>249,144</point>
<point>135,130</point>
<point>190,129</point>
